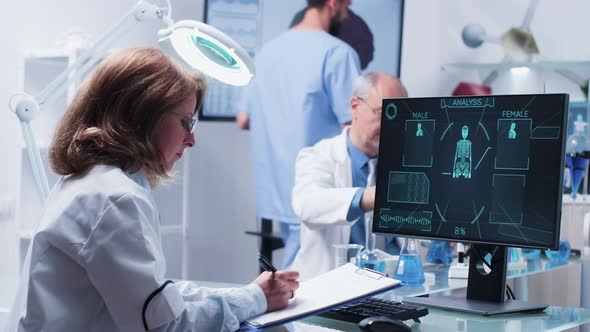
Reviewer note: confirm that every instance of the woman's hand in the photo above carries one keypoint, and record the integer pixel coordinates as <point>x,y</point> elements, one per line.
<point>278,288</point>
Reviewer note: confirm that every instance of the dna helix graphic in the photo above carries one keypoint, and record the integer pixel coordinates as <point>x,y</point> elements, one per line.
<point>402,220</point>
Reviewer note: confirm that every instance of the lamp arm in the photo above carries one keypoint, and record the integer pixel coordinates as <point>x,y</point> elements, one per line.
<point>142,11</point>
<point>36,162</point>
<point>26,107</point>
<point>528,17</point>
<point>572,76</point>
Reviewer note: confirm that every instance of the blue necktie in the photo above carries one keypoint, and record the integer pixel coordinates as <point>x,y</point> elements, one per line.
<point>372,163</point>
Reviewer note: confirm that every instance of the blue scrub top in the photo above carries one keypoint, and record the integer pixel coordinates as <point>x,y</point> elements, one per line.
<point>300,95</point>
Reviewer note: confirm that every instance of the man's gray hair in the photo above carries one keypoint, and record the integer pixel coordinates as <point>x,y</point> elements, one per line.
<point>363,84</point>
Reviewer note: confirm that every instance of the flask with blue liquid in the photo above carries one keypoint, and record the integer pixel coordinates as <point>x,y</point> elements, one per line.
<point>409,268</point>
<point>369,258</point>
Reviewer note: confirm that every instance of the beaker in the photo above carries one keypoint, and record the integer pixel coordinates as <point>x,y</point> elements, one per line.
<point>346,253</point>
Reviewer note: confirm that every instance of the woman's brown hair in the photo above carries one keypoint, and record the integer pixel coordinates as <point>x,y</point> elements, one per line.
<point>113,117</point>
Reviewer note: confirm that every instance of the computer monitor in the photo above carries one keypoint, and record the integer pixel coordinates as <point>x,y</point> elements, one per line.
<point>485,170</point>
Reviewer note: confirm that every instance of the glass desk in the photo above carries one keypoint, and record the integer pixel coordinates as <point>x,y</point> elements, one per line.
<point>553,318</point>
<point>437,279</point>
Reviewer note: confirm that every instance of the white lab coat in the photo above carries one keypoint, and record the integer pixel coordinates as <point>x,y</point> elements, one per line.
<point>321,199</point>
<point>97,257</point>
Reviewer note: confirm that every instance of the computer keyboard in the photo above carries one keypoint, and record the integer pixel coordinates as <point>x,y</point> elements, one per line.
<point>371,307</point>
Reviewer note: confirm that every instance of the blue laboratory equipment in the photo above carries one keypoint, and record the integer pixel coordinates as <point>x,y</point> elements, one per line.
<point>409,268</point>
<point>560,255</point>
<point>440,252</point>
<point>534,265</point>
<point>513,256</point>
<point>576,142</point>
<point>577,166</point>
<point>369,258</point>
<point>531,254</point>
<point>567,176</point>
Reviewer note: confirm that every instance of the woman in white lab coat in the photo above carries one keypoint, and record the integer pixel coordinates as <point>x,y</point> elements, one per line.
<point>96,261</point>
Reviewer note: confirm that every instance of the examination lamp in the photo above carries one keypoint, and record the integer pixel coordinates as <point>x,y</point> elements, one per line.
<point>196,45</point>
<point>209,51</point>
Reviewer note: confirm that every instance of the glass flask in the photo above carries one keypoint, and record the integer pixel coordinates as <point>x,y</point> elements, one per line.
<point>369,258</point>
<point>409,268</point>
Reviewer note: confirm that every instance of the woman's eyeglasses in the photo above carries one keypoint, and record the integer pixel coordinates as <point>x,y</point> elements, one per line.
<point>187,123</point>
<point>375,110</point>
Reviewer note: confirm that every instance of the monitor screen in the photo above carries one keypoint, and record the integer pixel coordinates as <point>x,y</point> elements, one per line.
<point>252,23</point>
<point>486,169</point>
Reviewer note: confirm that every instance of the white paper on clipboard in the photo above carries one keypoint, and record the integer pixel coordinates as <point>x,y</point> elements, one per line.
<point>336,287</point>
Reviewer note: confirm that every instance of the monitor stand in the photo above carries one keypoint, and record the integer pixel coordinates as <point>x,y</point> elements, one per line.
<point>486,289</point>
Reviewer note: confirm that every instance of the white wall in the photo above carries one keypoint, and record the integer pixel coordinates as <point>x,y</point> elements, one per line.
<point>421,47</point>
<point>223,208</point>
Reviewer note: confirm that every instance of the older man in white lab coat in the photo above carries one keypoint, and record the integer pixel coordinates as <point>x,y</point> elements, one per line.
<point>331,195</point>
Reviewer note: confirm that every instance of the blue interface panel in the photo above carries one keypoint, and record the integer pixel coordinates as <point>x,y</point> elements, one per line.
<point>486,169</point>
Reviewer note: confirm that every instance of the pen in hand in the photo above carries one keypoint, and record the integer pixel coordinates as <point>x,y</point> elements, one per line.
<point>266,264</point>
<point>278,287</point>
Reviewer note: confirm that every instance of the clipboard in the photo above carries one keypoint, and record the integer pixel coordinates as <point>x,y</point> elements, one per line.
<point>326,291</point>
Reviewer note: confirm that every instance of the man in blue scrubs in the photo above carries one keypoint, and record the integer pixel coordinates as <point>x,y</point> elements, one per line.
<point>354,31</point>
<point>299,96</point>
<point>332,193</point>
